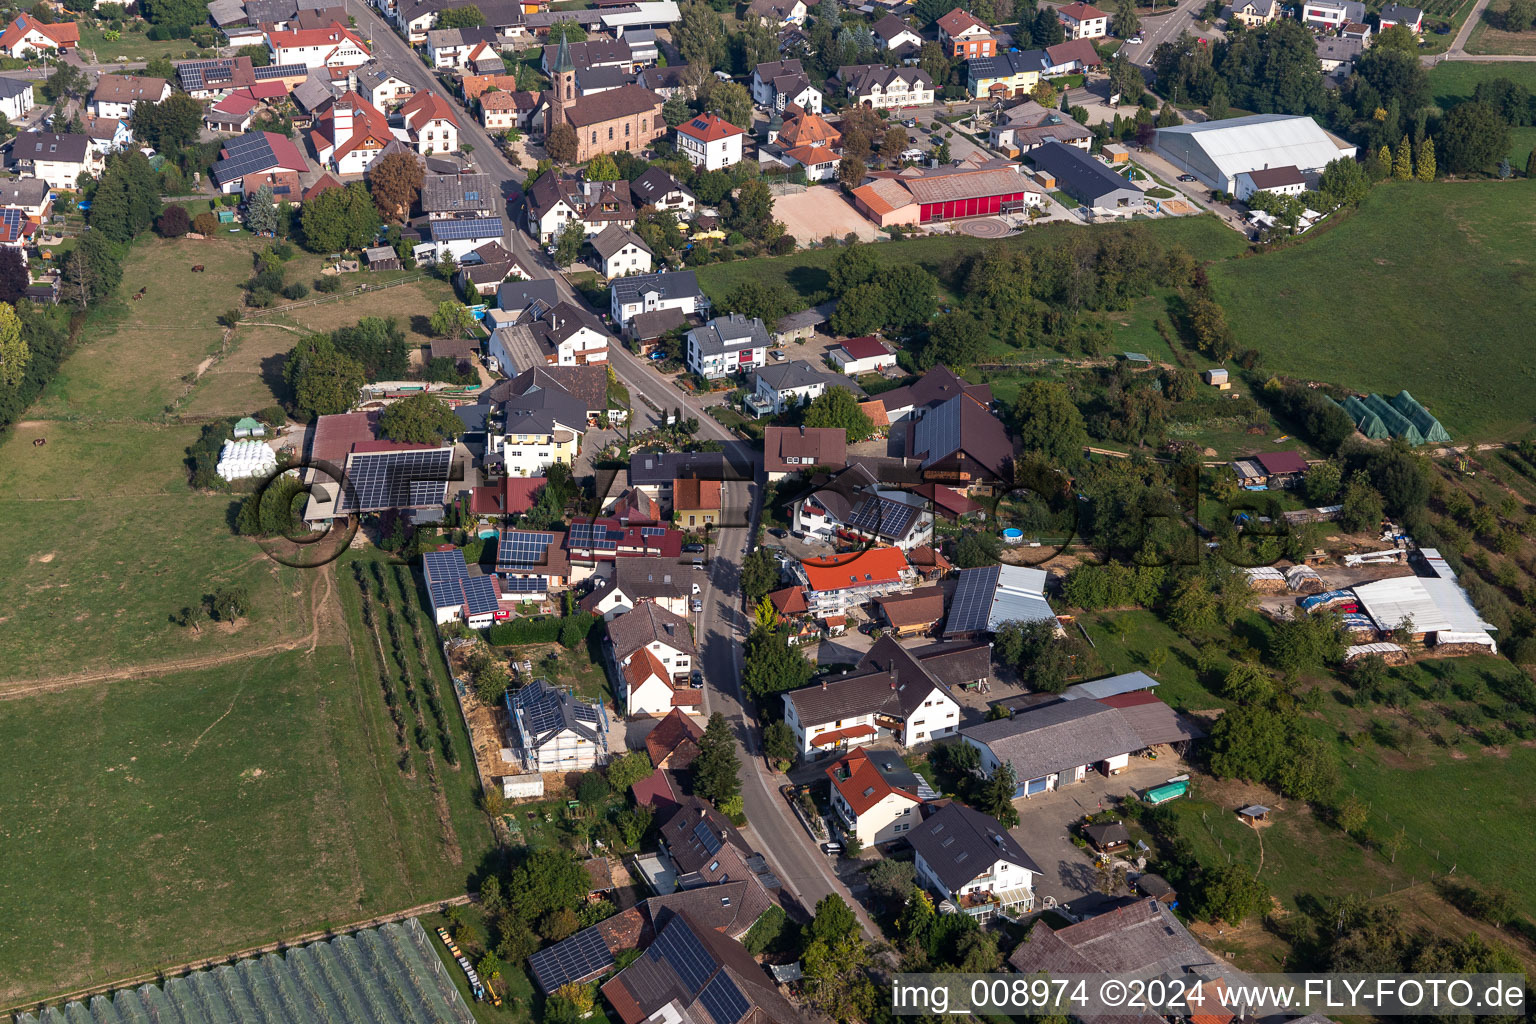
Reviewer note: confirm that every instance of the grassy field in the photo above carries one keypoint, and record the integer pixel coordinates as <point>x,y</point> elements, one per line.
<point>1454,81</point>
<point>1486,39</point>
<point>1439,288</point>
<point>195,813</point>
<point>134,46</point>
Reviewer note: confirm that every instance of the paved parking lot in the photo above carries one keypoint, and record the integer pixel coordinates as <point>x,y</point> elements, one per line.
<point>1067,873</point>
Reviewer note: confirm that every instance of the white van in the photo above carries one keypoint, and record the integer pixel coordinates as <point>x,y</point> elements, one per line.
<point>914,154</point>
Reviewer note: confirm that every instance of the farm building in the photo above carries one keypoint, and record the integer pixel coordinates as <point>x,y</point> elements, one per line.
<point>947,193</point>
<point>458,596</point>
<point>1217,152</point>
<point>988,596</point>
<point>1435,610</point>
<point>1084,178</point>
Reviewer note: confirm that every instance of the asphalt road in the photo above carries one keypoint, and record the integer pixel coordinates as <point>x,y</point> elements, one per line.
<point>722,627</point>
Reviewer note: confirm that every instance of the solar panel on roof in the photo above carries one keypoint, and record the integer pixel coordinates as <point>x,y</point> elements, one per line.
<point>971,607</point>
<point>681,949</point>
<point>938,433</point>
<point>707,836</point>
<point>266,74</point>
<point>580,956</point>
<point>522,548</point>
<point>479,594</point>
<point>653,531</point>
<point>540,707</point>
<point>460,230</point>
<point>404,479</point>
<point>444,570</point>
<point>724,1000</point>
<point>523,585</point>
<point>883,517</point>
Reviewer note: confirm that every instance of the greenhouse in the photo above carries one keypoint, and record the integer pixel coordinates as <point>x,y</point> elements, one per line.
<point>389,973</point>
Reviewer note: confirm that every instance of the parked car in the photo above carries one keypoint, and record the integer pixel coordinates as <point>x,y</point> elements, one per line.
<point>833,849</point>
<point>696,680</point>
<point>696,605</point>
<point>1187,177</point>
<point>1136,40</point>
<point>697,590</point>
<point>693,548</point>
<point>910,122</point>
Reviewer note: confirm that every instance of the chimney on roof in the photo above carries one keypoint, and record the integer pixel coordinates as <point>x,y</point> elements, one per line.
<point>702,812</point>
<point>724,834</point>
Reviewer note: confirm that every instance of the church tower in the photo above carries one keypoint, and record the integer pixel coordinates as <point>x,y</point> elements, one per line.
<point>563,75</point>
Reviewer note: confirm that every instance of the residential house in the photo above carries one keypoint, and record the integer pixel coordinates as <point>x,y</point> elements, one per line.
<point>590,81</point>
<point>881,87</point>
<point>889,694</point>
<point>852,506</point>
<point>108,134</point>
<point>380,86</point>
<point>835,583</point>
<point>948,502</point>
<point>1331,14</point>
<point>336,48</point>
<point>17,231</point>
<point>912,614</point>
<point>655,187</point>
<point>726,345</point>
<point>522,301</point>
<point>1083,21</point>
<point>459,236</point>
<point>453,196</point>
<point>1087,180</point>
<point>350,134</point>
<point>621,252</point>
<point>988,596</point>
<point>32,196</point>
<point>876,797</point>
<point>1356,30</point>
<point>692,973</point>
<point>778,13</point>
<point>57,159</point>
<point>857,356</point>
<point>15,98</point>
<point>116,95</point>
<point>555,731</point>
<point>532,561</point>
<point>935,387</point>
<point>651,293</point>
<point>637,580</point>
<point>500,110</point>
<point>779,83</point>
<point>25,34</point>
<point>807,140</point>
<point>710,142</point>
<point>696,504</point>
<point>962,444</point>
<point>1076,56</point>
<point>794,383</point>
<point>1136,942</point>
<point>220,76</point>
<point>233,114</point>
<point>562,335</point>
<point>450,47</point>
<point>1253,13</point>
<point>593,541</point>
<point>542,423</point>
<point>674,743</point>
<point>655,472</point>
<point>475,86</point>
<point>432,124</point>
<point>891,33</point>
<point>1028,125</point>
<point>965,36</point>
<point>642,45</point>
<point>1410,18</point>
<point>967,858</point>
<point>650,629</point>
<point>554,201</point>
<point>1284,181</point>
<point>788,450</point>
<point>457,596</point>
<point>592,53</point>
<point>649,690</point>
<point>1005,74</point>
<point>1335,52</point>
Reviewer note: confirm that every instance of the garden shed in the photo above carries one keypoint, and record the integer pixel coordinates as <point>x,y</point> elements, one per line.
<point>381,257</point>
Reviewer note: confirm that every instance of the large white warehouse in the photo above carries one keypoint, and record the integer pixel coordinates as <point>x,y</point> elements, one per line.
<point>1216,152</point>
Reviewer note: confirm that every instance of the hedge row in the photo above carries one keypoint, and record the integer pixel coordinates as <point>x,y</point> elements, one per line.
<point>568,631</point>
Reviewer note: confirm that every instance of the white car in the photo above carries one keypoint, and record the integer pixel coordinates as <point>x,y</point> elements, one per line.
<point>697,590</point>
<point>1136,40</point>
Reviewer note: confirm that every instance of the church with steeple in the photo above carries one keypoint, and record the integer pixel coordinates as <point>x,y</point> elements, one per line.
<point>610,121</point>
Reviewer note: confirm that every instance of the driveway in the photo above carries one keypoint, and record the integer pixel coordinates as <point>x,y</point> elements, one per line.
<point>1067,874</point>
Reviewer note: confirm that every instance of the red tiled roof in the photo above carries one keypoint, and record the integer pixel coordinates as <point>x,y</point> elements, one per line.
<point>335,35</point>
<point>642,667</point>
<point>839,572</point>
<point>1282,462</point>
<point>268,90</point>
<point>1130,700</point>
<point>947,498</point>
<point>828,739</point>
<point>789,601</point>
<point>864,786</point>
<point>324,183</point>
<point>672,732</point>
<point>1080,12</point>
<point>958,21</point>
<point>875,410</point>
<point>64,33</point>
<point>512,496</point>
<point>686,697</point>
<point>655,790</point>
<point>708,128</point>
<point>335,435</point>
<point>427,106</point>
<point>929,557</point>
<point>374,447</point>
<point>701,494</point>
<point>867,347</point>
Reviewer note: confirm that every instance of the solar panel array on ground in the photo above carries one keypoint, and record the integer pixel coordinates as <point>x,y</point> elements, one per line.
<point>417,478</point>
<point>971,606</point>
<point>389,973</point>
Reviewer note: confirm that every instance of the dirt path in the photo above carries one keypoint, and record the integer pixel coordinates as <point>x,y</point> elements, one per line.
<point>27,687</point>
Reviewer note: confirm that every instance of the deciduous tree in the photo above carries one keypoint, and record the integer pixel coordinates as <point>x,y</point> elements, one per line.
<point>560,143</point>
<point>14,350</point>
<point>837,407</point>
<point>420,419</point>
<point>14,277</point>
<point>340,218</point>
<point>731,101</point>
<point>1049,424</point>
<point>323,380</point>
<point>1472,137</point>
<point>451,320</point>
<point>395,182</point>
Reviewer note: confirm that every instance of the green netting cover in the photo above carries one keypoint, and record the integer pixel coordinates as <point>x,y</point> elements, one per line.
<point>1398,424</point>
<point>1421,417</point>
<point>1367,422</point>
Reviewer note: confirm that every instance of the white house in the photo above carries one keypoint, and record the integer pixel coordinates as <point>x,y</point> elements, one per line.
<point>651,629</point>
<point>852,505</point>
<point>651,293</point>
<point>15,98</point>
<point>337,48</point>
<point>554,731</point>
<point>26,33</point>
<point>878,86</point>
<point>778,13</point>
<point>1083,21</point>
<point>969,859</point>
<point>894,34</point>
<point>1331,14</point>
<point>1285,181</point>
<point>638,580</point>
<point>710,142</point>
<point>460,236</point>
<point>855,356</point>
<point>891,694</point>
<point>621,252</point>
<point>1410,18</point>
<point>659,189</point>
<point>57,159</point>
<point>380,86</point>
<point>431,122</point>
<point>349,134</point>
<point>1054,745</point>
<point>116,95</point>
<point>727,345</point>
<point>779,83</point>
<point>875,795</point>
<point>790,384</point>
